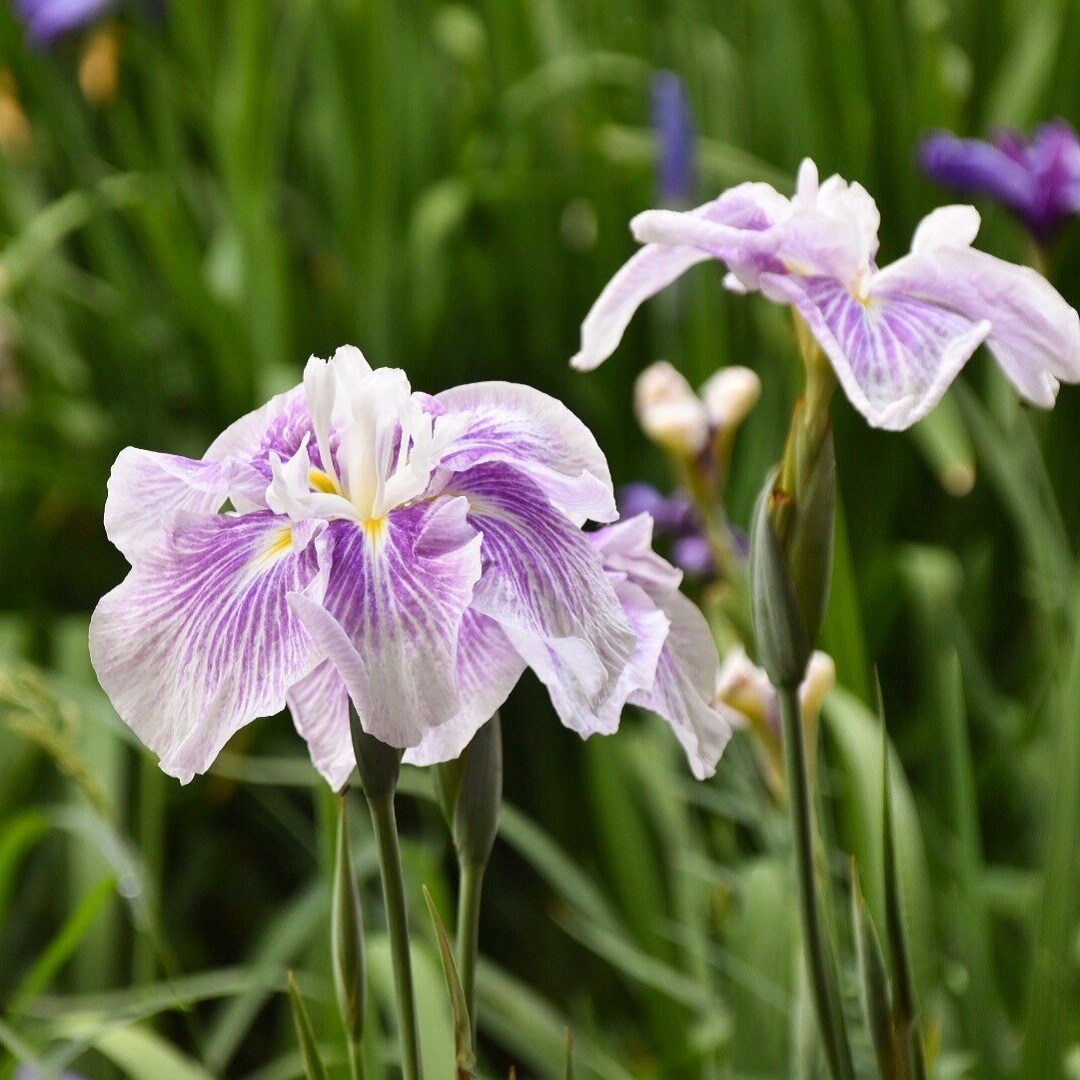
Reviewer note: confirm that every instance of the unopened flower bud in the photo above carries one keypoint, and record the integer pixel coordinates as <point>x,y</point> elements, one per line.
<point>669,411</point>
<point>470,793</point>
<point>819,681</point>
<point>729,395</point>
<point>99,67</point>
<point>791,558</point>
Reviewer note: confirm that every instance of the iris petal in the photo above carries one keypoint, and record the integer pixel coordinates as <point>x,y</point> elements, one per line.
<point>392,613</point>
<point>517,425</point>
<point>895,354</point>
<point>198,640</point>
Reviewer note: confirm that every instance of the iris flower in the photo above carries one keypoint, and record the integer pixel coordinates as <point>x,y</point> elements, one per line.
<point>896,336</point>
<point>355,540</point>
<point>673,123</point>
<point>1038,180</point>
<point>46,20</point>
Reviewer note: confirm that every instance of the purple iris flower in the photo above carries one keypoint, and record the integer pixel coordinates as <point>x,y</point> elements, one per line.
<point>896,337</point>
<point>355,540</point>
<point>673,124</point>
<point>1038,180</point>
<point>46,20</point>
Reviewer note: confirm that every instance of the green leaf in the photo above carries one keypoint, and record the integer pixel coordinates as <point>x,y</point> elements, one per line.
<point>314,1069</point>
<point>874,990</point>
<point>464,1058</point>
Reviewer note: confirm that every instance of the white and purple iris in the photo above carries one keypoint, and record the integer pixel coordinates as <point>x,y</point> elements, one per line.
<point>897,336</point>
<point>355,540</point>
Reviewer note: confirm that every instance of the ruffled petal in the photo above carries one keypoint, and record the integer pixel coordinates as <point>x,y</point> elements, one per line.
<point>147,490</point>
<point>488,668</point>
<point>392,614</point>
<point>543,580</point>
<point>1036,334</point>
<point>895,354</point>
<point>198,640</point>
<point>683,690</point>
<point>319,705</point>
<point>519,426</point>
<point>280,426</point>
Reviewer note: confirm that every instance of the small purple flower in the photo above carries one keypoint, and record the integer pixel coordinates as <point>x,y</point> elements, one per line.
<point>411,553</point>
<point>896,337</point>
<point>673,516</point>
<point>673,123</point>
<point>47,20</point>
<point>1039,181</point>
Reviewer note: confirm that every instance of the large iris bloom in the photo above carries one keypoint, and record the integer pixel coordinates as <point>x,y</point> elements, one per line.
<point>355,540</point>
<point>1038,179</point>
<point>896,336</point>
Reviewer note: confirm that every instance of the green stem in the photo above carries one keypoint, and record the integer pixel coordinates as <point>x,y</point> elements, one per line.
<point>470,885</point>
<point>356,1060</point>
<point>819,961</point>
<point>393,881</point>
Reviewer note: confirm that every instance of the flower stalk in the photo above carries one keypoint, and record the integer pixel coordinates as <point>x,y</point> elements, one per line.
<point>378,766</point>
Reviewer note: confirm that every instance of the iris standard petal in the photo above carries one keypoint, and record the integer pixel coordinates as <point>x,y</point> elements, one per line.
<point>198,640</point>
<point>978,167</point>
<point>488,668</point>
<point>895,354</point>
<point>519,426</point>
<point>682,692</point>
<point>391,616</point>
<point>1036,333</point>
<point>147,490</point>
<point>543,578</point>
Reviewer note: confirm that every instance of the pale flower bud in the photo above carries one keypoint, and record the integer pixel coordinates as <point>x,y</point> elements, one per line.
<point>669,411</point>
<point>729,395</point>
<point>820,678</point>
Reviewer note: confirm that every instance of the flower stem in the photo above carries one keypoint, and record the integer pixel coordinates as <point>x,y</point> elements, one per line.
<point>470,885</point>
<point>393,881</point>
<point>819,960</point>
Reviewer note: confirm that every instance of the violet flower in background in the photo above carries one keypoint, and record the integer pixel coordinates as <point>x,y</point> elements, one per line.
<point>674,518</point>
<point>48,20</point>
<point>673,124</point>
<point>1038,180</point>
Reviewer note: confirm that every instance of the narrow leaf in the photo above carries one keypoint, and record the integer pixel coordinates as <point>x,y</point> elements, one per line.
<point>874,990</point>
<point>465,1059</point>
<point>314,1069</point>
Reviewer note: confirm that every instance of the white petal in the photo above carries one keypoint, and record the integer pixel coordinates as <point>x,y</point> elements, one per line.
<point>947,226</point>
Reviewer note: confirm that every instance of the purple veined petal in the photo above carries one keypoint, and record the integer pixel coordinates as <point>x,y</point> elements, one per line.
<point>147,490</point>
<point>559,668</point>
<point>1035,335</point>
<point>895,355</point>
<point>392,613</point>
<point>519,426</point>
<point>280,426</point>
<point>319,706</point>
<point>199,640</point>
<point>543,579</point>
<point>685,683</point>
<point>625,549</point>
<point>488,668</point>
<point>646,273</point>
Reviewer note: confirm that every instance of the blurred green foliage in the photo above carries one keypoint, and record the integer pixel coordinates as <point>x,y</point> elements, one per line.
<point>447,186</point>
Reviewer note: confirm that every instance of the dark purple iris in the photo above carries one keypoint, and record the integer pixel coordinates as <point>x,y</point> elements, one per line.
<point>1039,180</point>
<point>674,126</point>
<point>674,517</point>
